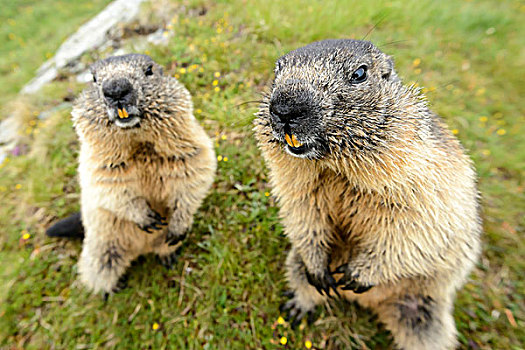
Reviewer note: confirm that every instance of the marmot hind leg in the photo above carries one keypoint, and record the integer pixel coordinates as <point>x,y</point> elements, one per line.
<point>102,264</point>
<point>419,322</point>
<point>168,254</point>
<point>107,251</point>
<point>303,296</point>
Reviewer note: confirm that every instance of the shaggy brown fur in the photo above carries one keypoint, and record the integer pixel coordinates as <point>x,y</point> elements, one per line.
<point>143,158</point>
<point>377,197</point>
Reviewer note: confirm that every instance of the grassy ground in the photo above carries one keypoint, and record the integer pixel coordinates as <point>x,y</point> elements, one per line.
<point>225,289</point>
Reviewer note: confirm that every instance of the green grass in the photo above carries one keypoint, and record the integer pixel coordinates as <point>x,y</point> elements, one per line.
<point>31,31</point>
<point>225,289</point>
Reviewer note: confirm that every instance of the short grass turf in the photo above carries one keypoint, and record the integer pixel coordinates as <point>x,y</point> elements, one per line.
<point>225,289</point>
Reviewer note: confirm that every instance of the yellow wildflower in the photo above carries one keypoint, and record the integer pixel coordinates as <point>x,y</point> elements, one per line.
<point>455,131</point>
<point>483,119</point>
<point>18,186</point>
<point>280,320</point>
<point>501,132</point>
<point>416,62</point>
<point>217,74</point>
<point>219,158</point>
<point>225,159</point>
<point>217,89</point>
<point>155,326</point>
<point>283,340</point>
<point>224,137</point>
<point>182,70</point>
<point>308,344</point>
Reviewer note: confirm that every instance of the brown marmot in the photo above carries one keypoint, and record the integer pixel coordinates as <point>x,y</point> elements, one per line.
<point>376,195</point>
<point>145,166</point>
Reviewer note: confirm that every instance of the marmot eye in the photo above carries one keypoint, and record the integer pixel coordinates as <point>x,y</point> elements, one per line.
<point>359,75</point>
<point>149,70</point>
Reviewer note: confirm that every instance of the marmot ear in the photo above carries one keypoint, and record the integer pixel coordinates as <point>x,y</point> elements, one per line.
<point>387,71</point>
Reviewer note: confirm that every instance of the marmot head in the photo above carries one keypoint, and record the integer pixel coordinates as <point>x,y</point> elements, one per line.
<point>123,89</point>
<point>333,96</point>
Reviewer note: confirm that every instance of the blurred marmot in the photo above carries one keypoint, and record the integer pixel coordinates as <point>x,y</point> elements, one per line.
<point>145,165</point>
<point>377,197</point>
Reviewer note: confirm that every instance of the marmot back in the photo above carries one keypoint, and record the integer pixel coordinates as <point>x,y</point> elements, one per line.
<point>145,165</point>
<point>376,195</point>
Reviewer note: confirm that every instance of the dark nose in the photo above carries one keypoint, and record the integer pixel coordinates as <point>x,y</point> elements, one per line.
<point>287,109</point>
<point>117,89</point>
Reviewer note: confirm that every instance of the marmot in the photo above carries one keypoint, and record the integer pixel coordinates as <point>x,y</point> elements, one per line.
<point>145,166</point>
<point>376,195</point>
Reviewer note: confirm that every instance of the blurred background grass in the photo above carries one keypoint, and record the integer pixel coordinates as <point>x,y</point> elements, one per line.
<point>223,293</point>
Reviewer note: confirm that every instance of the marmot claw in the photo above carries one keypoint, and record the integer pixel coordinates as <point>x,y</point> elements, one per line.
<point>155,222</point>
<point>172,238</point>
<point>294,313</point>
<point>349,280</point>
<point>322,282</point>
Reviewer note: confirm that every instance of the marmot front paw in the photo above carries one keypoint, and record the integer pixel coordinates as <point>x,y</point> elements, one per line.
<point>322,281</point>
<point>349,280</point>
<point>154,221</point>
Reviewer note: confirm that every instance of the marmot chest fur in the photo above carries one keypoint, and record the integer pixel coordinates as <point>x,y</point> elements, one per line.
<point>376,195</point>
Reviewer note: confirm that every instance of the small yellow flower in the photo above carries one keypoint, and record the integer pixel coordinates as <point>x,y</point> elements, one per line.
<point>224,137</point>
<point>155,326</point>
<point>201,70</point>
<point>217,74</point>
<point>280,320</point>
<point>225,159</point>
<point>483,119</point>
<point>26,236</point>
<point>198,111</point>
<point>283,340</point>
<point>182,70</point>
<point>18,186</point>
<point>455,131</point>
<point>417,70</point>
<point>219,30</point>
<point>501,132</point>
<point>486,152</point>
<point>267,194</point>
<point>177,76</point>
<point>215,83</point>
<point>308,344</point>
<point>217,89</point>
<point>480,92</point>
<point>11,36</point>
<point>219,158</point>
<point>3,188</point>
<point>416,62</point>
<point>147,52</point>
<point>49,55</point>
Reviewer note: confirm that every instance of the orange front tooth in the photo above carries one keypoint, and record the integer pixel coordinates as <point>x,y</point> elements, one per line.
<point>125,113</point>
<point>120,113</point>
<point>288,140</point>
<point>296,142</point>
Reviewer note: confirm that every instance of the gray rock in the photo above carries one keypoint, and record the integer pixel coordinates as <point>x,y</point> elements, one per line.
<point>90,36</point>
